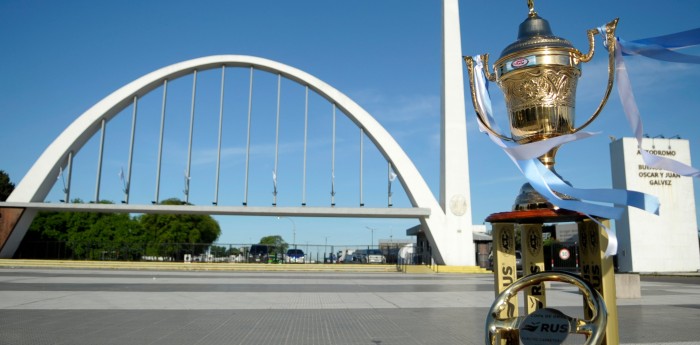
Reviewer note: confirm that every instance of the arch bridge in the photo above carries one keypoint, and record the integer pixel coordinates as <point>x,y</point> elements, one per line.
<point>446,222</point>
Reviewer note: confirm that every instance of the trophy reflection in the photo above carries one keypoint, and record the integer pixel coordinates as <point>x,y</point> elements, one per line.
<point>538,74</point>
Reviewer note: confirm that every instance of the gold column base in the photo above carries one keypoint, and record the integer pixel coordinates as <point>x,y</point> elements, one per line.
<point>599,271</point>
<point>505,273</point>
<point>595,268</point>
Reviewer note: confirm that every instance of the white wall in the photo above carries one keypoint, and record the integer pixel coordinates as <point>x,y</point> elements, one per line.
<point>649,243</point>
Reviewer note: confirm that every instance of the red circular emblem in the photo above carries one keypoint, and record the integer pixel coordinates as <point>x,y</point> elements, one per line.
<point>521,62</point>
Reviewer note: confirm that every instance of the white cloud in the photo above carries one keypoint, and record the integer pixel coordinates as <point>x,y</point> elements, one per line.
<point>400,108</point>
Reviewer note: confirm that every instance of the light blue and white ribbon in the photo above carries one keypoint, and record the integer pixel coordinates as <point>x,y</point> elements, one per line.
<point>545,182</point>
<point>663,47</point>
<point>659,48</point>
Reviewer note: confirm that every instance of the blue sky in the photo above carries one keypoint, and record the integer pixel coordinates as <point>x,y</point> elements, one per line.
<point>60,58</point>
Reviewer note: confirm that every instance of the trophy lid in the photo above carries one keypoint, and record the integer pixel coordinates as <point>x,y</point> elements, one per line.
<point>535,32</point>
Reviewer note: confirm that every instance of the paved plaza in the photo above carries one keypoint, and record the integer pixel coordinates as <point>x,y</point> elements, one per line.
<point>92,306</point>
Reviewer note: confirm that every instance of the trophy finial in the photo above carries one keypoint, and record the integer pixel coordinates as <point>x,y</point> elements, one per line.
<point>531,6</point>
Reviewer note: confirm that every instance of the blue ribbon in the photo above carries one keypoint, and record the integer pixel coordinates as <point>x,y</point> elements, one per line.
<point>655,48</point>
<point>661,47</point>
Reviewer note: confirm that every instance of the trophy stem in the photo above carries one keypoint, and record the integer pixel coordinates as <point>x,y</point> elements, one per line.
<point>529,198</point>
<point>548,158</point>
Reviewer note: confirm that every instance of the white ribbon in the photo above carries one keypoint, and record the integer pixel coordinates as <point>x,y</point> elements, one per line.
<point>629,105</point>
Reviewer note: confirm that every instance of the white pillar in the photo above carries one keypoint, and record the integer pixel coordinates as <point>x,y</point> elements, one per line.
<point>457,247</point>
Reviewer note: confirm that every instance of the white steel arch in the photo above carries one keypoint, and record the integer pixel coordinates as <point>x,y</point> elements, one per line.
<point>36,184</point>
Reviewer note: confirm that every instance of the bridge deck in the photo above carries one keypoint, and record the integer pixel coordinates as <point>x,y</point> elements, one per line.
<point>305,211</point>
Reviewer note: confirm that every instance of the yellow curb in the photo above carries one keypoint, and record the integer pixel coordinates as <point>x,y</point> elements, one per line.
<point>460,269</point>
<point>181,266</point>
<point>444,269</point>
<point>418,269</point>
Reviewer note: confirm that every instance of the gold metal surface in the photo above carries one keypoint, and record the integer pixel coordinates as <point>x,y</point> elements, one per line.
<point>472,89</point>
<point>593,326</point>
<point>538,75</point>
<point>504,275</point>
<point>599,272</point>
<point>540,102</point>
<point>541,97</point>
<point>609,39</point>
<point>533,262</point>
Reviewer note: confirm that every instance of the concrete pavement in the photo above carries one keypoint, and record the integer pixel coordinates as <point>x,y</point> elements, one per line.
<point>118,306</point>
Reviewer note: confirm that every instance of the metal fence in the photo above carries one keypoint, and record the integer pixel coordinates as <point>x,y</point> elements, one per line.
<point>203,252</point>
<point>400,254</point>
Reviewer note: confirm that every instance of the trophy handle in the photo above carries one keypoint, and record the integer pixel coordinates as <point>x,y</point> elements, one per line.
<point>491,77</point>
<point>610,41</point>
<point>593,328</point>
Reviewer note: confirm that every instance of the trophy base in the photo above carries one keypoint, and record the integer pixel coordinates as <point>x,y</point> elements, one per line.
<point>530,199</point>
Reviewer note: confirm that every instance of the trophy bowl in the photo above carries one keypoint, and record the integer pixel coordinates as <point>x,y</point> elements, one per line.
<point>538,75</point>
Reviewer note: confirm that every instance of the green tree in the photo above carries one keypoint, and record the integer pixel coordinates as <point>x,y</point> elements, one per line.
<point>221,251</point>
<point>6,187</point>
<point>112,236</point>
<point>166,234</point>
<point>276,243</point>
<point>86,235</point>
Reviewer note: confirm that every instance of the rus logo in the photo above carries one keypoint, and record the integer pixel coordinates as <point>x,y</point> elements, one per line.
<point>544,326</point>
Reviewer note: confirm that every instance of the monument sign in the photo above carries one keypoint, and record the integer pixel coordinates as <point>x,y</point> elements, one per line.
<point>649,243</point>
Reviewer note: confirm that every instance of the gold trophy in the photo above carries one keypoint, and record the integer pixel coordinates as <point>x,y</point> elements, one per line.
<point>538,74</point>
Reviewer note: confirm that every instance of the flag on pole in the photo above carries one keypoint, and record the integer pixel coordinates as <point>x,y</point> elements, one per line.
<point>332,183</point>
<point>392,177</point>
<point>187,185</point>
<point>274,182</point>
<point>121,178</point>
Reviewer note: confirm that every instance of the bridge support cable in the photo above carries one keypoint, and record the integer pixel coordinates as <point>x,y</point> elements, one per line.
<point>333,159</point>
<point>66,187</point>
<point>218,149</point>
<point>127,184</point>
<point>306,134</point>
<point>277,141</point>
<point>362,139</point>
<point>189,145</point>
<point>247,150</point>
<point>100,154</point>
<point>160,142</point>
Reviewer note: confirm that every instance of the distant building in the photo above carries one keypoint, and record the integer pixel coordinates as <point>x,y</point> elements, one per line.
<point>649,243</point>
<point>482,245</point>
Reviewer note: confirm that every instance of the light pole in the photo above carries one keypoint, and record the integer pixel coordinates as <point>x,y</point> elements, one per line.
<point>294,230</point>
<point>371,243</point>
